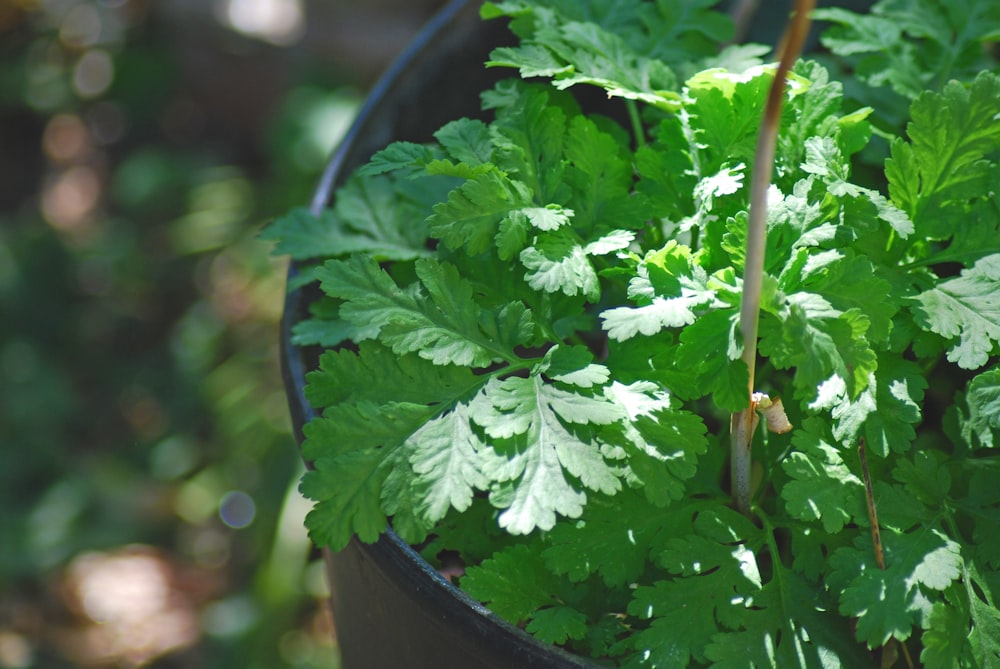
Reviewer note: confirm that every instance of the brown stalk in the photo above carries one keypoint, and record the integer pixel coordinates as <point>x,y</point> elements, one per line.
<point>890,652</point>
<point>742,423</point>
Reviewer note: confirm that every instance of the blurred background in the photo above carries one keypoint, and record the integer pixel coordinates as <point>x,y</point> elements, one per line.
<point>148,506</point>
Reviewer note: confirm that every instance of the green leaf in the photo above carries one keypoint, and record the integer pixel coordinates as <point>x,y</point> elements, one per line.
<point>687,611</point>
<point>623,323</point>
<point>790,626</point>
<point>820,341</point>
<point>817,113</point>
<point>362,425</point>
<point>512,235</point>
<point>885,413</point>
<point>529,136</point>
<point>585,53</point>
<point>345,376</point>
<point>616,240</point>
<point>473,212</point>
<point>889,602</point>
<point>406,157</point>
<point>467,141</point>
<point>514,583</point>
<point>944,165</point>
<point>967,308</point>
<point>850,281</point>
<point>725,376</point>
<point>985,635</point>
<point>613,538</point>
<point>601,177</point>
<point>346,489</point>
<point>439,326</point>
<point>924,477</point>
<point>983,399</point>
<point>912,44</point>
<point>667,171</point>
<point>664,452</point>
<point>822,487</point>
<point>552,424</point>
<point>945,638</point>
<point>558,624</point>
<point>547,218</point>
<point>450,462</point>
<point>325,333</point>
<point>573,365</point>
<point>557,263</point>
<point>370,216</point>
<point>725,116</point>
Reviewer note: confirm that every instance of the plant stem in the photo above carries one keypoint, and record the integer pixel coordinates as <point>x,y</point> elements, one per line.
<point>636,121</point>
<point>743,422</point>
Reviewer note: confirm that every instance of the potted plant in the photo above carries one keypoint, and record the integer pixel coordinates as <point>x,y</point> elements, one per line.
<point>539,333</point>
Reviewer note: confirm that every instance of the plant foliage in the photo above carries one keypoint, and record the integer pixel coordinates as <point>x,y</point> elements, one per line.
<point>553,343</point>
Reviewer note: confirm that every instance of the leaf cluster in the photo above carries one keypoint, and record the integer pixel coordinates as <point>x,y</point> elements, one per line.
<point>544,309</point>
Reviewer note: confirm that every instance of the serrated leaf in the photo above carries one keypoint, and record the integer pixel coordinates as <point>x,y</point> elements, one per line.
<point>850,281</point>
<point>473,212</point>
<point>398,156</point>
<point>346,489</point>
<point>548,218</point>
<point>686,612</point>
<point>467,141</point>
<point>585,377</point>
<point>514,582</point>
<point>601,543</point>
<point>512,235</point>
<point>557,624</point>
<point>663,451</point>
<point>885,413</point>
<point>326,332</point>
<point>726,116</point>
<point>985,635</point>
<point>369,216</point>
<point>983,400</point>
<point>924,477</point>
<point>912,45</point>
<point>540,413</point>
<point>820,342</point>
<point>623,323</point>
<point>361,425</point>
<point>946,635</point>
<point>585,53</point>
<point>558,264</point>
<point>966,308</point>
<point>822,487</point>
<point>601,176</point>
<point>616,240</point>
<point>346,376</point>
<point>790,626</point>
<point>889,602</point>
<point>531,60</point>
<point>529,135</point>
<point>726,376</point>
<point>439,326</point>
<point>451,462</point>
<point>943,164</point>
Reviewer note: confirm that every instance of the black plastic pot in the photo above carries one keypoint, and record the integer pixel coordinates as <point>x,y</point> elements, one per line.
<point>390,607</point>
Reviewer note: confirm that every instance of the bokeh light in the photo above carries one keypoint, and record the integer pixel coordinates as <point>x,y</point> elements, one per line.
<point>93,73</point>
<point>237,509</point>
<point>149,511</point>
<point>280,22</point>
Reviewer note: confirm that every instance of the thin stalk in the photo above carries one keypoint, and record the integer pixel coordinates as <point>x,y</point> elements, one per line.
<point>743,422</point>
<point>636,121</point>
